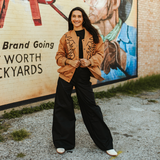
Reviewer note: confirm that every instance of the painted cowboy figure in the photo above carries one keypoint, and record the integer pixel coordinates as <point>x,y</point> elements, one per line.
<point>119,38</point>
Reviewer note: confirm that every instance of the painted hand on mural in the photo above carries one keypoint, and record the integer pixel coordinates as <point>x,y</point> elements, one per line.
<point>114,57</point>
<point>34,5</point>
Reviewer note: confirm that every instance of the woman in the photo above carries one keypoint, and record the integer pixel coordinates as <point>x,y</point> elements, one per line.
<point>80,54</point>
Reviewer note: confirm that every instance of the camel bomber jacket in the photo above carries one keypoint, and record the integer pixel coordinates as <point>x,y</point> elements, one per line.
<point>69,49</point>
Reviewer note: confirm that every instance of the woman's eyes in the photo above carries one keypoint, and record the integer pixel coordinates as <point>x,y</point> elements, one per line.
<point>79,16</point>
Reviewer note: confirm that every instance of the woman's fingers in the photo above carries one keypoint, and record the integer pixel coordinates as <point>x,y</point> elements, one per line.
<point>77,64</point>
<point>85,62</point>
<point>81,62</point>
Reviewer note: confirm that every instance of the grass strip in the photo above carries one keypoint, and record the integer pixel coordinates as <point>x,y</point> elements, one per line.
<point>18,113</point>
<point>147,83</point>
<point>131,87</point>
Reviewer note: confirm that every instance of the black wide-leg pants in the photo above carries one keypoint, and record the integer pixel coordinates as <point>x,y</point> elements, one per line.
<point>63,130</point>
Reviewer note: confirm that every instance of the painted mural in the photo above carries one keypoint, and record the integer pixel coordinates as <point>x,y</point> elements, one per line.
<point>30,32</point>
<point>120,38</point>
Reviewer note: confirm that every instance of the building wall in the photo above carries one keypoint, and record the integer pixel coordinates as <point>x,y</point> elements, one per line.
<point>148,37</point>
<point>19,27</point>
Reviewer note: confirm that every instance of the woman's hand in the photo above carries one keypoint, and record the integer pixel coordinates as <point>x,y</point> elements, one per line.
<point>73,63</point>
<point>84,62</point>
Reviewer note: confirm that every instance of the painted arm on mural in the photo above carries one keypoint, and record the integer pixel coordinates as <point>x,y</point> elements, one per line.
<point>120,55</point>
<point>114,57</point>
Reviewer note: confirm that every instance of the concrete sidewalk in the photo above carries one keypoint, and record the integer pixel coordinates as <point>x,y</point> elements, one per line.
<point>134,123</point>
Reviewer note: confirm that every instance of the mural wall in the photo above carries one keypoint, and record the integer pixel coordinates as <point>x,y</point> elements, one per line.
<point>119,36</point>
<point>30,32</point>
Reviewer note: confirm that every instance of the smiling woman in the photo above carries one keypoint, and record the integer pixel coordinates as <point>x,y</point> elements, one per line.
<point>79,56</point>
<point>77,20</point>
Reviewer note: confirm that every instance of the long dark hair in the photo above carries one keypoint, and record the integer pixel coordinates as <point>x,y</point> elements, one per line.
<point>86,24</point>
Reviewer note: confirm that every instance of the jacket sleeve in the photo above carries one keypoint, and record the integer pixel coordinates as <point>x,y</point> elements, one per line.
<point>61,53</point>
<point>97,58</point>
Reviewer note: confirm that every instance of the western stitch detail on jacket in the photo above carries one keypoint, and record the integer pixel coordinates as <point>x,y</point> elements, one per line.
<point>90,48</point>
<point>68,49</point>
<point>71,46</point>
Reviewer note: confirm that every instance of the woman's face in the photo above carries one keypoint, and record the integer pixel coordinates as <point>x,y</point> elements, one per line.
<point>77,19</point>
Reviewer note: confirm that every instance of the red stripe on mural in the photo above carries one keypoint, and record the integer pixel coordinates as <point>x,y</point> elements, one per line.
<point>58,11</point>
<point>3,11</point>
<point>35,12</point>
<point>46,2</point>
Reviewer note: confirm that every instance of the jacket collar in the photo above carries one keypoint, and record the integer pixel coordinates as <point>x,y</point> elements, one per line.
<point>87,35</point>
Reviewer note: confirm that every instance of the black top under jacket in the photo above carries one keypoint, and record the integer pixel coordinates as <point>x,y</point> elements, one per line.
<point>80,34</point>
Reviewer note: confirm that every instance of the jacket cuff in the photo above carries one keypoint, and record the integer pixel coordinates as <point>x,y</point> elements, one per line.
<point>91,61</point>
<point>64,61</point>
